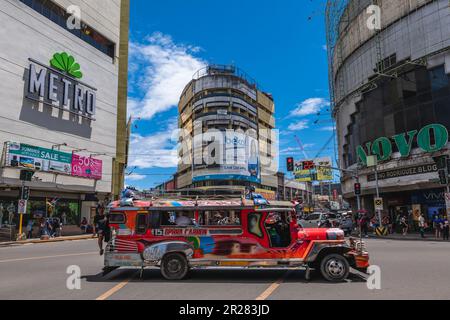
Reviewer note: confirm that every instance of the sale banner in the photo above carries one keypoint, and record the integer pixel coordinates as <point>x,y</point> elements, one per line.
<point>87,167</point>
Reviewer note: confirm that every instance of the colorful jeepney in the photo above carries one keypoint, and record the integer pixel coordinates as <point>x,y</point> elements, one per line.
<point>179,235</point>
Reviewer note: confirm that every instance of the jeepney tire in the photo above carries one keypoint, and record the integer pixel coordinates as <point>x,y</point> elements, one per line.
<point>108,270</point>
<point>174,266</point>
<point>334,268</point>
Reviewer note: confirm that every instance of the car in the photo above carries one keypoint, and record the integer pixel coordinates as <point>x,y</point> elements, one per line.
<point>178,235</point>
<point>317,219</point>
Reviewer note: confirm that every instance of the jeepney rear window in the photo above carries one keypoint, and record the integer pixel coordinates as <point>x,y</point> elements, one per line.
<point>177,218</point>
<point>117,217</point>
<point>220,218</point>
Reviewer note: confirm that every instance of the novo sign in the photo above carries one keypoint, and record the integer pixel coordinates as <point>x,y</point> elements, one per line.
<point>59,86</point>
<point>431,138</point>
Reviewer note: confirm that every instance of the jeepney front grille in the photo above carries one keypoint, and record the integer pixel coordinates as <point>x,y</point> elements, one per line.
<point>123,246</point>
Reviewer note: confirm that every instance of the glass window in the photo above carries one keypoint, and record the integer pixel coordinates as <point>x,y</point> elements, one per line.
<point>58,15</point>
<point>220,218</point>
<point>141,223</point>
<point>177,218</point>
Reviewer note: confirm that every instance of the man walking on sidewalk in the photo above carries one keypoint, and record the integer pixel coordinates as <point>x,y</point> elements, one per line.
<point>422,226</point>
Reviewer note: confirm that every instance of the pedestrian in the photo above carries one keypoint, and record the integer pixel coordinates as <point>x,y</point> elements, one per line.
<point>446,230</point>
<point>437,225</point>
<point>404,225</point>
<point>30,229</point>
<point>1,215</point>
<point>422,226</point>
<point>364,223</point>
<point>102,228</point>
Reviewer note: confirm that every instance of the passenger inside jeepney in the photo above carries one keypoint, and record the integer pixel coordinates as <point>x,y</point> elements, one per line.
<point>180,218</point>
<point>278,228</point>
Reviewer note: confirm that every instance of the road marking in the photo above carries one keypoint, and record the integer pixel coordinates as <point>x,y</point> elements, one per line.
<point>49,257</point>
<point>273,287</point>
<point>116,288</point>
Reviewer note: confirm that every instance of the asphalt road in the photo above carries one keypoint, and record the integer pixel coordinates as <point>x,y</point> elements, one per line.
<point>409,270</point>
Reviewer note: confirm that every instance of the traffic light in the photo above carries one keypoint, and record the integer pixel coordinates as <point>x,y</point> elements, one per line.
<point>358,189</point>
<point>25,193</point>
<point>26,175</point>
<point>290,164</point>
<point>443,177</point>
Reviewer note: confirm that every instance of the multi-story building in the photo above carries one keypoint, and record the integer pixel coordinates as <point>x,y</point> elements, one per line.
<point>390,81</point>
<point>63,87</point>
<point>224,105</point>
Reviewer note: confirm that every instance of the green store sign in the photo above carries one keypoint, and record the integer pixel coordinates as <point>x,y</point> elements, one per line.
<point>382,147</point>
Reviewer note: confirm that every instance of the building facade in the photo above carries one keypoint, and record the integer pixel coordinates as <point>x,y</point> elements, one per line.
<point>223,115</point>
<point>63,71</point>
<point>390,84</point>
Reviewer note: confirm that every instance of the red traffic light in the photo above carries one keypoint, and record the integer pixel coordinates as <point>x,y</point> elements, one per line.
<point>290,164</point>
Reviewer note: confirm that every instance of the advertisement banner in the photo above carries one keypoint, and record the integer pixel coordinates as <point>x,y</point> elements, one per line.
<point>86,167</point>
<point>239,161</point>
<point>39,159</point>
<point>324,172</point>
<point>314,170</point>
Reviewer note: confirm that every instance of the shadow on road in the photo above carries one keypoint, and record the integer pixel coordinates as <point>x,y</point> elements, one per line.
<point>153,275</point>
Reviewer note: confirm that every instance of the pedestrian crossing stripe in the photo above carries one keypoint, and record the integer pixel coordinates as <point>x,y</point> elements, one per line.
<point>381,231</point>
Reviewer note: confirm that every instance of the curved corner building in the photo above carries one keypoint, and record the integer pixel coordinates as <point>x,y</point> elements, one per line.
<point>389,79</point>
<point>223,102</point>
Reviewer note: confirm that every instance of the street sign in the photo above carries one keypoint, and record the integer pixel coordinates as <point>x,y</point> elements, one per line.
<point>22,206</point>
<point>378,204</point>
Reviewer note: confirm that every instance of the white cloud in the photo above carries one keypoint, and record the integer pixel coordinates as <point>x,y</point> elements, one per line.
<point>158,150</point>
<point>299,125</point>
<point>162,69</point>
<point>310,106</point>
<point>135,177</point>
<point>329,128</point>
<point>296,150</point>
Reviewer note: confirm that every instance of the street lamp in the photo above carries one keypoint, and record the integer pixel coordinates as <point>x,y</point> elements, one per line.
<point>78,150</point>
<point>59,145</point>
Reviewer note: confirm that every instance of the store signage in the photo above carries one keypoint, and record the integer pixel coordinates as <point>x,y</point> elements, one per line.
<point>404,172</point>
<point>382,147</point>
<point>22,206</point>
<point>59,85</point>
<point>19,155</point>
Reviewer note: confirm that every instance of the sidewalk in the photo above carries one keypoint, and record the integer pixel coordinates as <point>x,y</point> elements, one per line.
<point>38,241</point>
<point>408,237</point>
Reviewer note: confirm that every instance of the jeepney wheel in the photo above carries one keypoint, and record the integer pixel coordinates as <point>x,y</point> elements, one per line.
<point>334,268</point>
<point>174,266</point>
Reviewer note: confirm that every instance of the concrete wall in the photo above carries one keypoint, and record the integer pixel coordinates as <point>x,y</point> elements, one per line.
<point>422,32</point>
<point>24,34</point>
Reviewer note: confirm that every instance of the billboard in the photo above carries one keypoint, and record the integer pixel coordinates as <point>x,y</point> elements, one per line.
<point>24,156</point>
<point>238,159</point>
<point>86,167</point>
<point>314,170</point>
<point>39,159</point>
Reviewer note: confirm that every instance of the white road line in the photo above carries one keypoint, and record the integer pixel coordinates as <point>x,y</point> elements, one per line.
<point>49,257</point>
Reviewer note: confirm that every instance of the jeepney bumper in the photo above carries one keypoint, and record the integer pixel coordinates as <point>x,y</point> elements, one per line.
<point>113,259</point>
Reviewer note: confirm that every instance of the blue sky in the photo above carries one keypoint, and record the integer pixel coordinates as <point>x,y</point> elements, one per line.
<point>281,44</point>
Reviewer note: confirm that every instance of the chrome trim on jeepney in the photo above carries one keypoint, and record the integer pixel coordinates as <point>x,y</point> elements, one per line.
<point>156,252</point>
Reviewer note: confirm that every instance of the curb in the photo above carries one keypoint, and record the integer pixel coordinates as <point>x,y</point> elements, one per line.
<point>38,241</point>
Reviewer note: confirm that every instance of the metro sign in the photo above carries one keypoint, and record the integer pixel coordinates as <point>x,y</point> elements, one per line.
<point>59,86</point>
<point>382,147</point>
